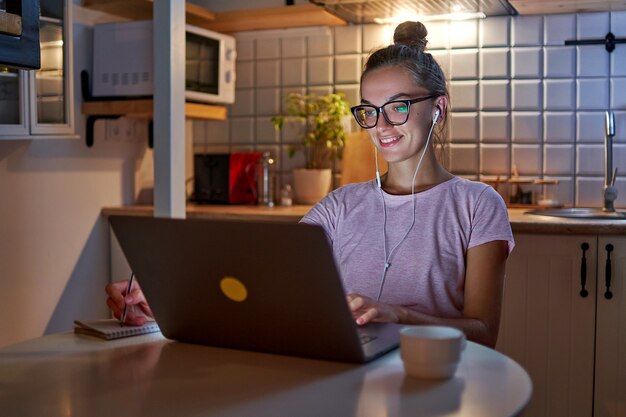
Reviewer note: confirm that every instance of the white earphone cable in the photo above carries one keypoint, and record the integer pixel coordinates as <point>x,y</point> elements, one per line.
<point>387,258</point>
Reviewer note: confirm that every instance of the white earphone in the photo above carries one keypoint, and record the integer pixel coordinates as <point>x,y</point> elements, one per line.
<point>436,116</point>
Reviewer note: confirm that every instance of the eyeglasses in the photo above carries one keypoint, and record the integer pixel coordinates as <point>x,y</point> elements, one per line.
<point>395,112</point>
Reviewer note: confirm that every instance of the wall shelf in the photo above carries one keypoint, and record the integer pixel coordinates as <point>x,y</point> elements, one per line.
<point>141,109</point>
<point>142,10</point>
<point>227,22</point>
<point>539,7</point>
<point>273,18</point>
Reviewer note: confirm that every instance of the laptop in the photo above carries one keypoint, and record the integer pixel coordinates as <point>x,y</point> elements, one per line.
<point>260,286</point>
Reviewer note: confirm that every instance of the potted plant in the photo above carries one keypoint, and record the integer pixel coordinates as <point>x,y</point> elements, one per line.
<point>322,141</point>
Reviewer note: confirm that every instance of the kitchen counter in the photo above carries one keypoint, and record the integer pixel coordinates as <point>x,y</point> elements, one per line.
<point>215,211</point>
<point>520,222</point>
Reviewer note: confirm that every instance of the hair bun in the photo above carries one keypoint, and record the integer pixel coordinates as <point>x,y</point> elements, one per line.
<point>411,34</point>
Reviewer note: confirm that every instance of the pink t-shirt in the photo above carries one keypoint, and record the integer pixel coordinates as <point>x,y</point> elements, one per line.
<point>427,269</point>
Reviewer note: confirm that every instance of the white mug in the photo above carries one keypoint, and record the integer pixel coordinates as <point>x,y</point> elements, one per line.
<point>431,352</point>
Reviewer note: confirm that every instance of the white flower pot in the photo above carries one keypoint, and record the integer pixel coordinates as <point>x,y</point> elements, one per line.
<point>311,185</point>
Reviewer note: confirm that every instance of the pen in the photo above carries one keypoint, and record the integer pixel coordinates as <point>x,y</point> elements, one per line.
<point>130,284</point>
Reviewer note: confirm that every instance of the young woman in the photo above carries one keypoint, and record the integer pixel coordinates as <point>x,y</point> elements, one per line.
<point>417,245</point>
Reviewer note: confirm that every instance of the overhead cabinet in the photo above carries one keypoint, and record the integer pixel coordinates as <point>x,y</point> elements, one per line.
<point>38,103</point>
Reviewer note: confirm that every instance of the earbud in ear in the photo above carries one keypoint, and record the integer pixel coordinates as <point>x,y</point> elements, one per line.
<point>436,116</point>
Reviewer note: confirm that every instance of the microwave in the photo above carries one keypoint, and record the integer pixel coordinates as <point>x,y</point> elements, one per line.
<point>123,62</point>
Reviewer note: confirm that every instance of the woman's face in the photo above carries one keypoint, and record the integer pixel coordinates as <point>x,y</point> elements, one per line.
<point>398,143</point>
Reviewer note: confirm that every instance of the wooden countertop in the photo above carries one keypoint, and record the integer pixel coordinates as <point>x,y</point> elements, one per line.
<point>520,222</point>
<point>210,211</point>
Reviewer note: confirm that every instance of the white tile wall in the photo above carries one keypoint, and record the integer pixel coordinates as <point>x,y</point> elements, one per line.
<point>464,127</point>
<point>267,101</point>
<point>527,94</point>
<point>560,62</point>
<point>592,61</point>
<point>494,95</point>
<point>377,36</point>
<point>618,86</point>
<point>559,94</point>
<point>618,63</point>
<point>244,103</point>
<point>464,95</point>
<point>559,28</point>
<point>245,50</point>
<point>267,48</point>
<point>265,132</point>
<point>495,32</point>
<point>519,96</point>
<point>527,159</point>
<point>592,94</point>
<point>464,34</point>
<point>242,130</point>
<point>348,40</point>
<point>347,69</point>
<point>618,23</point>
<point>590,127</point>
<point>494,127</point>
<point>320,70</point>
<point>558,159</point>
<point>526,128</point>
<point>320,45</point>
<point>464,63</point>
<point>245,74</point>
<point>268,73</point>
<point>438,35</point>
<point>293,72</point>
<point>589,191</point>
<point>590,159</point>
<point>464,158</point>
<point>494,63</point>
<point>527,63</point>
<point>620,126</point>
<point>527,31</point>
<point>293,47</point>
<point>559,127</point>
<point>592,25</point>
<point>495,159</point>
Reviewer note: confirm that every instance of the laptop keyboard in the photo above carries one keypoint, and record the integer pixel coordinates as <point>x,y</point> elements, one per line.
<point>366,338</point>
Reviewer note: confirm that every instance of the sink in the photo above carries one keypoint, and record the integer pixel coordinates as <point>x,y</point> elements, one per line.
<point>580,213</point>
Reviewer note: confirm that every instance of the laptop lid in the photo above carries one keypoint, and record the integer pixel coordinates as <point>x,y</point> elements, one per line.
<point>261,286</point>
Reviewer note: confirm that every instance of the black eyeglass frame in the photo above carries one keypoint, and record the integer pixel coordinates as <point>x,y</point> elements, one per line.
<point>379,110</point>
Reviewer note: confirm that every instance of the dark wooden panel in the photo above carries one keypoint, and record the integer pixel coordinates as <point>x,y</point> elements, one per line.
<point>22,50</point>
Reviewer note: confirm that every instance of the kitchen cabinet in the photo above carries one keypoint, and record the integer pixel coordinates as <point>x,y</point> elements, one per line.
<point>38,104</point>
<point>558,325</point>
<point>610,378</point>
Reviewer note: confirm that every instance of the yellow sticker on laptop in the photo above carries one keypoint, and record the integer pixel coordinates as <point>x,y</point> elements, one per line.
<point>233,289</point>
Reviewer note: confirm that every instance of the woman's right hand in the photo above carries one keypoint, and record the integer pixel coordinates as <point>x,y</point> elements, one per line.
<point>118,299</point>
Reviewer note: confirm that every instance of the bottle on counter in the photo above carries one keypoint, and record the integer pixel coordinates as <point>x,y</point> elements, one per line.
<point>266,180</point>
<point>286,195</point>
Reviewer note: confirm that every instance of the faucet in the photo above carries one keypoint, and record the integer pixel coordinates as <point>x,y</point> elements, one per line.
<point>610,174</point>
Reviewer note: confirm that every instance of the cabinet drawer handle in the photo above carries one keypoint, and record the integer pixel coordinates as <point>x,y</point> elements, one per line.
<point>607,272</point>
<point>583,271</point>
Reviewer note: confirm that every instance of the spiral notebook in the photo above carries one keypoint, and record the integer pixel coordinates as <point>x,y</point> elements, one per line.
<point>110,328</point>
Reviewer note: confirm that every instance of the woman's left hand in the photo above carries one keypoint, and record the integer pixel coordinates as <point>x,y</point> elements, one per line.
<point>365,310</point>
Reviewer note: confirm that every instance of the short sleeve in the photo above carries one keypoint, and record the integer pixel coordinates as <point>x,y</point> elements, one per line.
<point>490,220</point>
<point>324,214</point>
